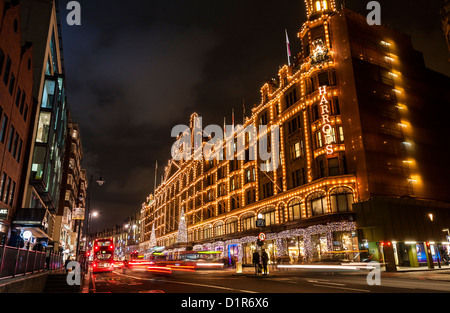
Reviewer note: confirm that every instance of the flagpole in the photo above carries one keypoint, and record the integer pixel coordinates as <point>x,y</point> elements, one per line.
<point>243,111</point>
<point>288,48</point>
<point>156,173</point>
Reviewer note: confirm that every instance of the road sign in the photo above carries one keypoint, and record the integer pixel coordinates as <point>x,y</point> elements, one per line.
<point>262,236</point>
<point>260,222</point>
<point>78,214</point>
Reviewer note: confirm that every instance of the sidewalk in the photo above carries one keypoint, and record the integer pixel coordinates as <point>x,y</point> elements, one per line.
<point>29,283</point>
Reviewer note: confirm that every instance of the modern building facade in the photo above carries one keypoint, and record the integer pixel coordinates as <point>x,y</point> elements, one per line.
<point>359,150</point>
<point>16,106</point>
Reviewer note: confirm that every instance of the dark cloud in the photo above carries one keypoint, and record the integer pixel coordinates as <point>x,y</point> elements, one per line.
<point>137,68</point>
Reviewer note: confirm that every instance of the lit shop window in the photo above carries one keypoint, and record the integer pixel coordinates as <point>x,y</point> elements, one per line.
<point>43,127</point>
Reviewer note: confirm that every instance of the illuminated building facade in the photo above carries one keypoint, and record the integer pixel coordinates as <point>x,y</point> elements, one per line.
<point>16,105</point>
<point>72,193</point>
<point>45,151</point>
<point>445,18</point>
<point>356,148</point>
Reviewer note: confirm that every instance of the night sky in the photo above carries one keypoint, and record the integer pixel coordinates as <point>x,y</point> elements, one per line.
<point>136,68</point>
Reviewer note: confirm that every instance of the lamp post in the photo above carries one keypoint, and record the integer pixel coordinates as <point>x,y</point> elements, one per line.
<point>100,182</point>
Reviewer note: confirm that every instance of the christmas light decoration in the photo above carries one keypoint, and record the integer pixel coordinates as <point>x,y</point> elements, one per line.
<point>182,230</point>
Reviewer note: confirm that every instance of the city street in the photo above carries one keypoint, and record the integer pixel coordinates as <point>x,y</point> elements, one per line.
<point>226,281</point>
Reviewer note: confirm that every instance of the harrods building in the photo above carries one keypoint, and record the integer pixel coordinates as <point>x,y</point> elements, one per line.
<point>362,158</point>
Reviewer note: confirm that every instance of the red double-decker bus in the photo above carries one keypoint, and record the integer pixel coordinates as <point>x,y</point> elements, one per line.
<point>103,255</point>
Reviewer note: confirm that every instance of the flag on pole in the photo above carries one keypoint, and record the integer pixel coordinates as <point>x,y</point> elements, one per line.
<point>156,173</point>
<point>243,111</point>
<point>288,48</point>
<point>232,117</point>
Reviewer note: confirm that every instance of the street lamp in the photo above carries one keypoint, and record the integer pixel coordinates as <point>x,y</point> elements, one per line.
<point>100,182</point>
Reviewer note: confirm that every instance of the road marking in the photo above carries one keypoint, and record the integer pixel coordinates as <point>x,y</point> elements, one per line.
<point>346,288</point>
<point>186,283</point>
<point>325,282</point>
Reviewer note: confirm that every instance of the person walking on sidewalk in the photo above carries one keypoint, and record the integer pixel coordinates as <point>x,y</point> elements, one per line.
<point>256,261</point>
<point>265,261</point>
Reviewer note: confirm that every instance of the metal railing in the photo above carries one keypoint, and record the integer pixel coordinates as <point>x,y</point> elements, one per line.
<point>16,261</point>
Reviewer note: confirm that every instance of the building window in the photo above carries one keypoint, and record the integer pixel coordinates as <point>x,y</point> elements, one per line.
<point>298,177</point>
<point>330,137</point>
<point>319,139</point>
<point>218,229</point>
<point>250,175</point>
<point>333,166</point>
<point>207,232</point>
<point>221,208</point>
<point>234,202</point>
<point>12,82</point>
<point>268,190</point>
<point>7,189</point>
<point>37,167</point>
<point>43,127</point>
<point>2,185</point>
<point>341,134</point>
<point>2,60</point>
<point>250,196</point>
<point>295,150</point>
<point>294,210</point>
<point>269,216</point>
<point>14,147</point>
<point>248,222</point>
<point>341,199</point>
<point>12,130</point>
<point>231,226</point>
<point>316,203</point>
<point>3,129</point>
<point>7,71</point>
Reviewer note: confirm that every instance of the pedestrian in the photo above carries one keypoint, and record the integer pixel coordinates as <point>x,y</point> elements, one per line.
<point>265,260</point>
<point>256,261</point>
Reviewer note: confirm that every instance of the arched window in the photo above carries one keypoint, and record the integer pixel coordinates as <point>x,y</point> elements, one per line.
<point>231,226</point>
<point>248,222</point>
<point>294,210</point>
<point>207,232</point>
<point>218,229</point>
<point>341,199</point>
<point>269,215</point>
<point>316,203</point>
